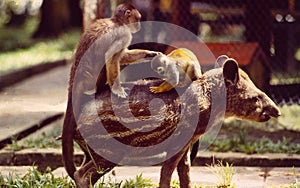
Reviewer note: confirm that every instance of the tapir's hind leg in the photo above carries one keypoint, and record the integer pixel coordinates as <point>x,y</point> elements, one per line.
<point>90,172</point>
<point>183,169</point>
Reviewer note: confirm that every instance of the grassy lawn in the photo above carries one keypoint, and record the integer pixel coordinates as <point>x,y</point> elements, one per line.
<point>40,52</point>
<point>35,179</point>
<point>18,50</point>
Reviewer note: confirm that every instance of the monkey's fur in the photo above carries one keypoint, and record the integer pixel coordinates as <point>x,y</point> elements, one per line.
<point>179,68</point>
<point>243,100</point>
<point>102,48</point>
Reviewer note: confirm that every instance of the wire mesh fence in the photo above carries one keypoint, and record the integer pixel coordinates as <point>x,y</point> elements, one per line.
<point>272,24</point>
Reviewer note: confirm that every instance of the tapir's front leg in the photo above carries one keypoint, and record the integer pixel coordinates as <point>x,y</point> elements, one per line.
<point>183,169</point>
<point>168,168</point>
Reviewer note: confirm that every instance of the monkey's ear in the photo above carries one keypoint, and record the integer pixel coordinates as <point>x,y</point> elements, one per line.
<point>231,72</point>
<point>160,54</point>
<point>220,61</point>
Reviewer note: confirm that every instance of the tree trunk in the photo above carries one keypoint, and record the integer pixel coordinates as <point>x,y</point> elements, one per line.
<point>75,13</point>
<point>92,10</point>
<point>55,18</point>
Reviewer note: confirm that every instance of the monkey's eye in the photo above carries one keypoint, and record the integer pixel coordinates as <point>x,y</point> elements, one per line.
<point>160,70</point>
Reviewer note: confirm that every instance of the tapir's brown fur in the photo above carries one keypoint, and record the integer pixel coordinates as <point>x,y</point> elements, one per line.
<point>243,100</point>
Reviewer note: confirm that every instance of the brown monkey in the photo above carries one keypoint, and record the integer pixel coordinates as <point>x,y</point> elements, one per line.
<point>105,42</point>
<point>179,68</point>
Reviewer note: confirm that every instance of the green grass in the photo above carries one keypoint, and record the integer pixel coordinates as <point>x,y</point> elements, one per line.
<point>35,179</point>
<point>19,50</point>
<point>290,117</point>
<point>241,136</point>
<point>262,145</point>
<point>40,52</point>
<point>13,38</point>
<point>44,140</point>
<point>289,120</point>
<point>224,173</point>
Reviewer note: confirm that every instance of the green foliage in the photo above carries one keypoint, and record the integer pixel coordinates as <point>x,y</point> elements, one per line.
<point>262,145</point>
<point>35,179</point>
<point>17,38</point>
<point>45,140</point>
<point>139,181</point>
<point>243,138</point>
<point>290,117</point>
<point>224,173</point>
<point>40,51</point>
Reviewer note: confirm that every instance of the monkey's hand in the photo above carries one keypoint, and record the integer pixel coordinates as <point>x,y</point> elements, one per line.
<point>119,91</point>
<point>164,87</point>
<point>155,89</point>
<point>152,54</point>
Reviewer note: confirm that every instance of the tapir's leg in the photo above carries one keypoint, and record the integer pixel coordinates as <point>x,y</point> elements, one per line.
<point>90,172</point>
<point>168,168</point>
<point>183,169</point>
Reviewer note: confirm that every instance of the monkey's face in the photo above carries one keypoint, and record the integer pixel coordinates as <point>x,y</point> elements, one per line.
<point>133,20</point>
<point>159,64</point>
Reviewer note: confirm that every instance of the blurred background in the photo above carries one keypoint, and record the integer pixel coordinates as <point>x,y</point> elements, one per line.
<point>264,36</point>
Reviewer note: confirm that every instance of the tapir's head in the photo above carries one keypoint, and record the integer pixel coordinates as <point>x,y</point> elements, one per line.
<point>244,99</point>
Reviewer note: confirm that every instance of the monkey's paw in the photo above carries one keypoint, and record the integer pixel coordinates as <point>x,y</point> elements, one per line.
<point>152,54</point>
<point>119,91</point>
<point>155,89</point>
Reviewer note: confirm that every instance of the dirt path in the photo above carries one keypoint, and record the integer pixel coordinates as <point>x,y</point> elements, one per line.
<point>33,100</point>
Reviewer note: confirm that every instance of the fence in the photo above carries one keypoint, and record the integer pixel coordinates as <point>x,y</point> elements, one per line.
<point>273,24</point>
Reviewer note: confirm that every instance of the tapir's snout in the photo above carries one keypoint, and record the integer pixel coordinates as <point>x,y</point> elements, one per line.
<point>274,112</point>
<point>269,110</point>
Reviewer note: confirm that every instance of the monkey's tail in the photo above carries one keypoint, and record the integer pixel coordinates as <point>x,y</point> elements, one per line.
<point>67,141</point>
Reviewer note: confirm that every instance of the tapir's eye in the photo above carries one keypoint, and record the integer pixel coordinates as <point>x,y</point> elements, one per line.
<point>160,70</point>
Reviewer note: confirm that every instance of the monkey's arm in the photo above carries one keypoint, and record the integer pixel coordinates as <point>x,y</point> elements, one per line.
<point>131,56</point>
<point>172,80</point>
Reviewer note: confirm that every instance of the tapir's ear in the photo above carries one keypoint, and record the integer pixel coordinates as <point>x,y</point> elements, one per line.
<point>231,71</point>
<point>220,61</point>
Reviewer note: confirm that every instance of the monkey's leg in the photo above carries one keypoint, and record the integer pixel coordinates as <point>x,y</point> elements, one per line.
<point>112,69</point>
<point>113,76</point>
<point>164,87</point>
<point>131,56</point>
<point>183,169</point>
